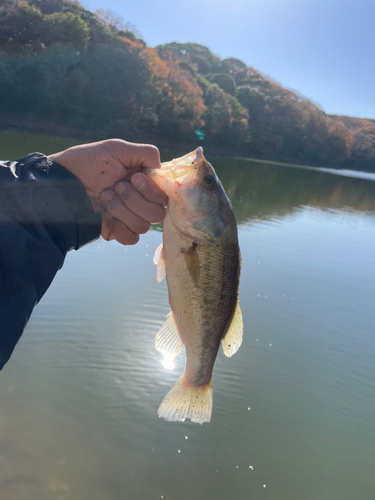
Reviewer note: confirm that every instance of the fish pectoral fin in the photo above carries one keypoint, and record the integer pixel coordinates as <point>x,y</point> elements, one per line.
<point>186,401</point>
<point>233,338</point>
<point>168,341</point>
<point>159,260</point>
<point>192,263</point>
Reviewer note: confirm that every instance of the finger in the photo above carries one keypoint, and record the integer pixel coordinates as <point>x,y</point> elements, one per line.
<point>113,229</point>
<point>149,189</point>
<point>138,204</point>
<point>133,155</point>
<point>106,230</point>
<point>118,210</point>
<point>149,155</point>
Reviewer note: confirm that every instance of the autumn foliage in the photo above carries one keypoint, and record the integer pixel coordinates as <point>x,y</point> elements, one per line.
<point>92,73</point>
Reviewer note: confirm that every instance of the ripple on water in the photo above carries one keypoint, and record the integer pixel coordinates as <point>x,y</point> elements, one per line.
<point>85,381</point>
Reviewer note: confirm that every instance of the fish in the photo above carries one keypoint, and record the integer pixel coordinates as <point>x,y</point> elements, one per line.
<point>200,258</point>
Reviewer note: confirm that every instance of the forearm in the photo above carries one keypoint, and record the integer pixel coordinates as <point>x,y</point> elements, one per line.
<point>44,213</point>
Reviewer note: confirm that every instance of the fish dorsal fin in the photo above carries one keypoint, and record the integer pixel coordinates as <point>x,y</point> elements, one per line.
<point>192,263</point>
<point>233,338</point>
<point>159,260</point>
<point>167,340</point>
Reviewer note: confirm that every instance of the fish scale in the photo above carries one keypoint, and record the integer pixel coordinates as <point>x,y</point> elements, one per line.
<point>201,260</point>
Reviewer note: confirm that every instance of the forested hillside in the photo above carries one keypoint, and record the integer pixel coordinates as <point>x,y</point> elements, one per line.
<point>68,70</point>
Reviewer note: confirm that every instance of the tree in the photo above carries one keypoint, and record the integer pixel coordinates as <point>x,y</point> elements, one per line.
<point>116,21</point>
<point>66,65</point>
<point>9,7</point>
<point>225,82</point>
<point>66,28</point>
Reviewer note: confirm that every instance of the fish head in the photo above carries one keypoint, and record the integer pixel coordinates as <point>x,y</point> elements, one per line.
<point>198,205</point>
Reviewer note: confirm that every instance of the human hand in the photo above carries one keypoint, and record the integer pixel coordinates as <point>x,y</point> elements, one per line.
<point>110,173</point>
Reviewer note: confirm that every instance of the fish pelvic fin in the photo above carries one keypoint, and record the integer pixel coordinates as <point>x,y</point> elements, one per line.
<point>232,340</point>
<point>159,261</point>
<point>168,341</point>
<point>185,401</point>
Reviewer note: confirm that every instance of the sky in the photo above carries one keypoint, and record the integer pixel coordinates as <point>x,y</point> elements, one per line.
<point>322,49</point>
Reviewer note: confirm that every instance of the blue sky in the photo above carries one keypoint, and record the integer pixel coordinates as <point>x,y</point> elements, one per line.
<point>323,49</point>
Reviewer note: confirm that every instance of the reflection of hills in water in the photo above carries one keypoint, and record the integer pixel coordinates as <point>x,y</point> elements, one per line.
<point>261,190</point>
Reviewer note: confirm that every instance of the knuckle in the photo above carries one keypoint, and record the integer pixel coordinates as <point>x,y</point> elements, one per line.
<point>152,152</point>
<point>114,208</point>
<point>140,181</point>
<point>109,200</point>
<point>123,190</point>
<point>115,141</point>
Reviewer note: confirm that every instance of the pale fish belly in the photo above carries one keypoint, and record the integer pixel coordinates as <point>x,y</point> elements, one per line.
<point>204,308</point>
<point>202,313</point>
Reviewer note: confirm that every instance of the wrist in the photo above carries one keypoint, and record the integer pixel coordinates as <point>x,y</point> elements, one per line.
<point>62,159</point>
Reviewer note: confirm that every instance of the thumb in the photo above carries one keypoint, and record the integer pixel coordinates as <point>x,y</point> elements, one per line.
<point>135,156</point>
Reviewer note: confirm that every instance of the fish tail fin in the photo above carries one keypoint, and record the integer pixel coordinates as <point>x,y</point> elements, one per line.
<point>186,401</point>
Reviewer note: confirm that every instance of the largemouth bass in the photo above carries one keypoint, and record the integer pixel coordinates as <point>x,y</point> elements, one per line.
<point>200,258</point>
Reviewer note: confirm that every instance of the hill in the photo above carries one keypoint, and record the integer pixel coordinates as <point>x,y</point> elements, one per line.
<point>64,69</point>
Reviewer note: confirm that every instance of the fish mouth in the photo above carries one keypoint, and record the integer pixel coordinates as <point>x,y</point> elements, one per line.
<point>177,169</point>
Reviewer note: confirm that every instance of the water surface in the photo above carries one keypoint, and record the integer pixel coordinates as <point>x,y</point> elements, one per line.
<point>294,409</point>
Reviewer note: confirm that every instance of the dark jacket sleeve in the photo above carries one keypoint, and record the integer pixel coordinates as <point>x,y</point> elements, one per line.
<point>44,213</point>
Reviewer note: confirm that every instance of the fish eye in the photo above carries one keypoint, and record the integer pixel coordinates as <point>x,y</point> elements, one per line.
<point>209,180</point>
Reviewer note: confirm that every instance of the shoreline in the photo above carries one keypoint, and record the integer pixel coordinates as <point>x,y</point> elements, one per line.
<point>60,132</point>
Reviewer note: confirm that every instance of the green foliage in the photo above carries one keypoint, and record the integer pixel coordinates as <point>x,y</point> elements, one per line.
<point>197,56</point>
<point>66,28</point>
<point>226,121</point>
<point>52,6</point>
<point>90,71</point>
<point>21,27</point>
<point>28,29</point>
<point>100,32</point>
<point>217,117</point>
<point>236,69</point>
<point>127,34</point>
<point>225,82</point>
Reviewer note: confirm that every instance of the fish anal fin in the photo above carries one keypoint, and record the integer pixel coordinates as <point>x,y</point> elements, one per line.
<point>233,338</point>
<point>159,260</point>
<point>192,263</point>
<point>185,401</point>
<point>168,341</point>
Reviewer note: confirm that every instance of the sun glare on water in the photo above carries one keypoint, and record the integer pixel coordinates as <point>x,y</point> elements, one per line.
<point>168,363</point>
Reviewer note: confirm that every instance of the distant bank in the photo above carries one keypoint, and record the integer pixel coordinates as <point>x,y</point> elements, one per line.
<point>67,71</point>
<point>25,142</point>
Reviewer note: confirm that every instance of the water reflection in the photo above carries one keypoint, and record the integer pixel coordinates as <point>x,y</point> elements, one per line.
<point>264,191</point>
<point>293,410</point>
<point>168,362</point>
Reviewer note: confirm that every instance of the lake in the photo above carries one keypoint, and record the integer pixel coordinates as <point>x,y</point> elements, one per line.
<point>294,409</point>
